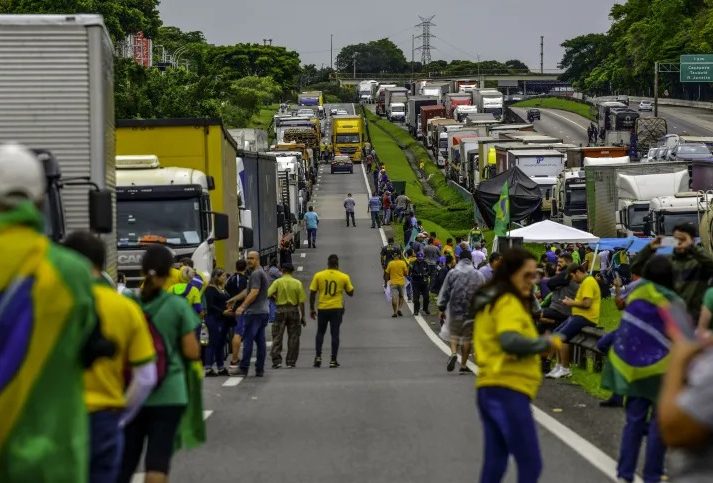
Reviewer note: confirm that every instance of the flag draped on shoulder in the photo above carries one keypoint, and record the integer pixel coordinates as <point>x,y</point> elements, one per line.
<point>502,212</point>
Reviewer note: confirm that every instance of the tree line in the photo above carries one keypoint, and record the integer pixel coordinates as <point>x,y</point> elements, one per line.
<point>642,32</point>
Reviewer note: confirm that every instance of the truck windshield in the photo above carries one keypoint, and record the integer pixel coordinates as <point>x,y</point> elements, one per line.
<point>174,222</point>
<point>668,221</point>
<point>577,198</point>
<point>347,138</point>
<point>397,108</point>
<point>636,215</point>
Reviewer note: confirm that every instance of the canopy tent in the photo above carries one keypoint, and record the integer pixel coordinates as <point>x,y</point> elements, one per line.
<point>631,244</point>
<point>525,195</point>
<point>550,232</point>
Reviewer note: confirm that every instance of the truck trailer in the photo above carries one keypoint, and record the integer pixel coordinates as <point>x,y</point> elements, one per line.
<point>413,113</point>
<point>428,113</point>
<point>455,99</point>
<point>489,100</point>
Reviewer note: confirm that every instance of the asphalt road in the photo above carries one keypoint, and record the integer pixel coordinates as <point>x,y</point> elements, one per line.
<point>570,127</point>
<point>391,413</point>
<point>685,120</point>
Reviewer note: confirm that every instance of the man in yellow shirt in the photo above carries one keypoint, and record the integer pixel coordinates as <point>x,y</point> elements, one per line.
<point>330,284</point>
<point>110,405</point>
<point>591,263</point>
<point>396,273</point>
<point>585,313</point>
<point>289,296</point>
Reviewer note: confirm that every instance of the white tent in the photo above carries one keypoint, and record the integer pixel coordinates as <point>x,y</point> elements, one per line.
<point>550,232</point>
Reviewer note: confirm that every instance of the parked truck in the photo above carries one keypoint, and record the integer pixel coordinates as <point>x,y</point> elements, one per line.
<point>413,113</point>
<point>455,167</point>
<point>381,98</point>
<point>313,98</point>
<point>395,95</point>
<point>428,113</point>
<point>666,212</point>
<point>366,91</point>
<point>489,100</point>
<point>291,184</point>
<point>577,155</point>
<point>396,112</point>
<point>463,112</point>
<point>250,139</point>
<point>57,98</point>
<point>436,89</point>
<point>455,99</point>
<point>543,167</point>
<point>177,187</point>
<point>348,137</point>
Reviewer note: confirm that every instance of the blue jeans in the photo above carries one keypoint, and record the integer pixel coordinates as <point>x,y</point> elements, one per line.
<point>640,421</point>
<point>375,220</point>
<point>272,307</point>
<point>217,336</point>
<point>509,429</point>
<point>107,446</point>
<point>254,332</point>
<point>311,237</point>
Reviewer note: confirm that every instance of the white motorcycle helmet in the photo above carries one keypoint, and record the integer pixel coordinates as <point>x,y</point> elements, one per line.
<point>22,177</point>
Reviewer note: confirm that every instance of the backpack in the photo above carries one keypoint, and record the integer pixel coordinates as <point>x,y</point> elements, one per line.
<point>159,346</point>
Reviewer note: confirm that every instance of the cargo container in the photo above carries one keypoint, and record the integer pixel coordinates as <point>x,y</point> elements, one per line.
<point>428,113</point>
<point>453,100</point>
<point>413,113</point>
<point>489,100</point>
<point>575,156</point>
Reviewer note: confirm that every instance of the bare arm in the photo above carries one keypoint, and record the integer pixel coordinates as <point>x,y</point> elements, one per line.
<point>190,348</point>
<point>238,298</point>
<point>249,299</point>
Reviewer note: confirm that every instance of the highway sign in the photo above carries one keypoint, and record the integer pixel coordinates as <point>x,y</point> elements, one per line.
<point>697,68</point>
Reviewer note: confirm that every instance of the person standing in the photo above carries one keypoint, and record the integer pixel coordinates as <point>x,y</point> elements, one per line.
<point>311,222</point>
<point>349,205</point>
<point>289,296</point>
<point>420,273</point>
<point>386,205</point>
<point>219,318</point>
<point>110,403</point>
<point>389,252</point>
<point>287,247</point>
<point>256,309</point>
<point>153,431</point>
<point>236,286</point>
<point>431,253</point>
<point>454,300</point>
<point>507,350</point>
<point>475,237</point>
<point>478,256</point>
<point>402,203</point>
<point>395,273</point>
<point>330,285</point>
<point>374,209</point>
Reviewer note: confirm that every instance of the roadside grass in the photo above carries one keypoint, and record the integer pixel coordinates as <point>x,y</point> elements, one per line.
<point>263,119</point>
<point>584,110</point>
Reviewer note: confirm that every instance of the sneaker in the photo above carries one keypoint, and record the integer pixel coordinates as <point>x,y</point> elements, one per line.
<point>211,373</point>
<point>223,372</point>
<point>464,370</point>
<point>553,374</point>
<point>333,363</point>
<point>399,313</point>
<point>277,365</point>
<point>564,372</point>
<point>452,362</point>
<point>394,316</point>
<point>290,366</point>
<point>317,362</point>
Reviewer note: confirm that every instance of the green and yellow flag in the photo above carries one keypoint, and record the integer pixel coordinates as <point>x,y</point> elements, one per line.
<point>502,212</point>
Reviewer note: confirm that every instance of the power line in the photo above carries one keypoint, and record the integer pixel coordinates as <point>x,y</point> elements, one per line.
<point>426,24</point>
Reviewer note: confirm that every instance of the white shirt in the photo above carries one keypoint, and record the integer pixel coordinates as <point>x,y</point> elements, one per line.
<point>478,257</point>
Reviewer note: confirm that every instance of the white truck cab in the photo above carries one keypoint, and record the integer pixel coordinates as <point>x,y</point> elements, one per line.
<point>666,212</point>
<point>396,111</point>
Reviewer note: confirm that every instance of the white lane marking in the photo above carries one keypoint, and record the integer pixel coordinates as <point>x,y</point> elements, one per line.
<point>232,381</point>
<point>300,268</point>
<point>207,413</point>
<point>581,446</point>
<point>303,255</point>
<point>548,111</point>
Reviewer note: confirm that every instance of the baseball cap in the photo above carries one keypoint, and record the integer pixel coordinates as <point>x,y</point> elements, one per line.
<point>22,177</point>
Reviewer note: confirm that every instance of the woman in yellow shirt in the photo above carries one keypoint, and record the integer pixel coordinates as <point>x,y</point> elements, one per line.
<point>506,352</point>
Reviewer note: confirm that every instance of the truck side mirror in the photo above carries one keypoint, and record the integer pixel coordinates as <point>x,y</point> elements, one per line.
<point>101,214</point>
<point>211,183</point>
<point>221,226</point>
<point>248,241</point>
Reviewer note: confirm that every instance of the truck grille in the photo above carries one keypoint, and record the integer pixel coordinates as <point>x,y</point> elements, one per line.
<point>346,150</point>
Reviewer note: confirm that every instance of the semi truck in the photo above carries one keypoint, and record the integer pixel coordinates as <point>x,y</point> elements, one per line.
<point>618,196</point>
<point>489,100</point>
<point>366,91</point>
<point>348,137</point>
<point>57,98</point>
<point>177,187</point>
<point>455,99</point>
<point>436,89</point>
<point>413,113</point>
<point>577,155</point>
<point>291,190</point>
<point>456,169</point>
<point>313,98</point>
<point>464,112</point>
<point>427,114</point>
<point>393,95</point>
<point>666,212</point>
<point>250,139</point>
<point>396,112</point>
<point>381,98</point>
<point>261,229</point>
<point>543,167</point>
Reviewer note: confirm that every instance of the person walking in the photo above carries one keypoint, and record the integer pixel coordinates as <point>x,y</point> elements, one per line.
<point>219,318</point>
<point>637,361</point>
<point>287,248</point>
<point>389,252</point>
<point>395,274</point>
<point>49,411</point>
<point>256,309</point>
<point>386,205</point>
<point>311,222</point>
<point>110,403</point>
<point>420,273</point>
<point>329,285</point>
<point>153,431</point>
<point>454,300</point>
<point>289,296</point>
<point>507,350</point>
<point>349,205</point>
<point>374,209</point>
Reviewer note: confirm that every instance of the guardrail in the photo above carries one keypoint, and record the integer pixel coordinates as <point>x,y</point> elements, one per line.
<point>584,347</point>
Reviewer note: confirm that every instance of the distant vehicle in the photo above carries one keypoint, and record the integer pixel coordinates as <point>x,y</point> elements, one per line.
<point>342,164</point>
<point>646,106</point>
<point>305,112</point>
<point>690,152</point>
<point>533,114</point>
<point>342,112</point>
<point>623,99</point>
<point>333,112</point>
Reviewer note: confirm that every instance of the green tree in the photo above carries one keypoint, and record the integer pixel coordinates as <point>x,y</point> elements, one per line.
<point>374,57</point>
<point>581,55</point>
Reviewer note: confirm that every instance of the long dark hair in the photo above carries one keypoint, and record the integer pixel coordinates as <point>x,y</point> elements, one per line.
<point>512,261</point>
<point>156,263</point>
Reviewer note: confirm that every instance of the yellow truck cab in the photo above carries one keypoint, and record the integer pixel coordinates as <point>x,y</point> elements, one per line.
<point>348,137</point>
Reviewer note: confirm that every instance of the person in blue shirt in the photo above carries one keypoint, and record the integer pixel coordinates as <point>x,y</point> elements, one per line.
<point>311,221</point>
<point>374,207</point>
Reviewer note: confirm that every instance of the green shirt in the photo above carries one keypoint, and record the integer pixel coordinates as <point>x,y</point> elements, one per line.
<point>708,299</point>
<point>287,290</point>
<point>173,318</point>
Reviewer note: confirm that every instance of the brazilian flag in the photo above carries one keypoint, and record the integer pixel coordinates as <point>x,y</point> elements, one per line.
<point>46,316</point>
<point>502,212</point>
<point>639,354</point>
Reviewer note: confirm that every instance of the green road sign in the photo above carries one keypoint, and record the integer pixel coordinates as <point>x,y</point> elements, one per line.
<point>697,68</point>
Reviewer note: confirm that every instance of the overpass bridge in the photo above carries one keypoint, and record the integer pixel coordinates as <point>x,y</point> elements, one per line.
<point>504,77</point>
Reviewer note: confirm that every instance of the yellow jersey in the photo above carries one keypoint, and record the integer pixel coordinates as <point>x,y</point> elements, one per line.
<point>495,366</point>
<point>122,321</point>
<point>397,270</point>
<point>589,289</point>
<point>330,285</point>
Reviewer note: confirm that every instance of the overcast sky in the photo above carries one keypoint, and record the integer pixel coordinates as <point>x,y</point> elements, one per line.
<point>493,29</point>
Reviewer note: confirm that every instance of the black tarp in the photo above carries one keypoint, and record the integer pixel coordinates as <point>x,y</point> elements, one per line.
<point>525,195</point>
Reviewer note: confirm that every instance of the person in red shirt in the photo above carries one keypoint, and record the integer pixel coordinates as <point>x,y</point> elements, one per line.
<point>386,204</point>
